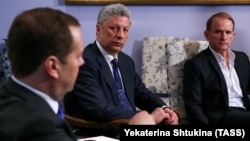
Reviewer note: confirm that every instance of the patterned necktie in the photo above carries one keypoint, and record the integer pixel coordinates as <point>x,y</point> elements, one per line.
<point>60,111</point>
<point>122,96</point>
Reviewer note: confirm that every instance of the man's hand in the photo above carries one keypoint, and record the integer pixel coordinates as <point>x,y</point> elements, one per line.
<point>173,117</point>
<point>159,115</point>
<point>142,118</point>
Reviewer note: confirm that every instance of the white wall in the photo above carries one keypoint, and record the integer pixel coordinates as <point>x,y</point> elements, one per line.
<point>165,20</point>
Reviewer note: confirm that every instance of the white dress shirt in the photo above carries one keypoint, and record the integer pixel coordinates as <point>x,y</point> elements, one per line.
<point>231,79</point>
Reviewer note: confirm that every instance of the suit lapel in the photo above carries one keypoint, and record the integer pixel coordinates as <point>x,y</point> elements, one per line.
<point>216,66</point>
<point>125,70</point>
<point>106,73</point>
<point>238,68</point>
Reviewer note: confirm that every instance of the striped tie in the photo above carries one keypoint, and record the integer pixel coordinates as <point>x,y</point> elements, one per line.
<point>122,96</point>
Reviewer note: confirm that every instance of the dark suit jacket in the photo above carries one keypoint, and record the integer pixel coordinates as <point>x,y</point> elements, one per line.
<point>95,97</point>
<point>205,90</point>
<point>24,116</point>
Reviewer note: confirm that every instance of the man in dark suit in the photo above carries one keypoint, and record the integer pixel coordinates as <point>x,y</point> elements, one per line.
<point>45,50</point>
<point>95,96</point>
<point>216,81</point>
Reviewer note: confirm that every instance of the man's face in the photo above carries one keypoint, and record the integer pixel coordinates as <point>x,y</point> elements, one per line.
<point>221,34</point>
<point>113,33</point>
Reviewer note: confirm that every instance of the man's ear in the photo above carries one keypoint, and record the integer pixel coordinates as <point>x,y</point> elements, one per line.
<point>98,28</point>
<point>52,66</point>
<point>205,34</point>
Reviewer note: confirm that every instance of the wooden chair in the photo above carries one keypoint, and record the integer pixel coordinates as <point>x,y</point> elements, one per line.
<point>91,128</point>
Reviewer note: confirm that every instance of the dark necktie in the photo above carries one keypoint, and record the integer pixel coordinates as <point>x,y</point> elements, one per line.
<point>60,111</point>
<point>122,96</point>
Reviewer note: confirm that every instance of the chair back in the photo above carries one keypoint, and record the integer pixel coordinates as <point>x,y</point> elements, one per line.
<point>163,60</point>
<point>5,68</point>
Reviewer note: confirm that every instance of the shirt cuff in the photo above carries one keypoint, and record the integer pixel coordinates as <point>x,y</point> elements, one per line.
<point>164,106</point>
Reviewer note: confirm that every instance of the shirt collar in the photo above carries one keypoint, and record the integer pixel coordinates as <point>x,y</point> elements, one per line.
<point>219,57</point>
<point>52,103</point>
<point>106,55</point>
